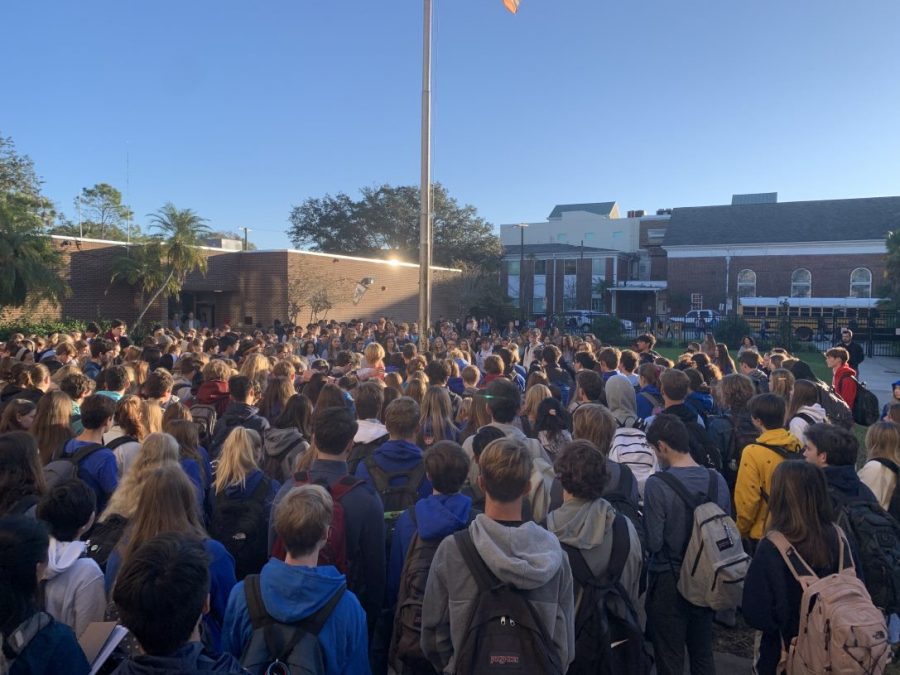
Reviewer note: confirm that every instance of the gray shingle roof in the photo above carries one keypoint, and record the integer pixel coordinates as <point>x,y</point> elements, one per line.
<point>549,249</point>
<point>824,220</point>
<point>755,198</point>
<point>599,208</point>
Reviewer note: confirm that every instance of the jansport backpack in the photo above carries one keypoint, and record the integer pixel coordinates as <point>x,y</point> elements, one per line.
<point>836,409</point>
<point>894,506</point>
<point>865,406</point>
<point>877,538</point>
<point>335,550</point>
<point>395,498</point>
<point>608,635</point>
<point>284,649</point>
<point>66,467</point>
<point>240,524</point>
<point>714,564</point>
<point>841,631</point>
<point>505,632</point>
<point>205,417</point>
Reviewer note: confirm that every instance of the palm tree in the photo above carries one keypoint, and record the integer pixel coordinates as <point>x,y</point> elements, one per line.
<point>29,263</point>
<point>175,250</point>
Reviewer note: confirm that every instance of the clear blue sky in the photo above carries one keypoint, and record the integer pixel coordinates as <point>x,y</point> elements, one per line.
<point>240,110</point>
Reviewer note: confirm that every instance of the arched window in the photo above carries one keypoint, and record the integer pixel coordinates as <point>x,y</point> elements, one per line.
<point>861,283</point>
<point>746,284</point>
<point>801,283</point>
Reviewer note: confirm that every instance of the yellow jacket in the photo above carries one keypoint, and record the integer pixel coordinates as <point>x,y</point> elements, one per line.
<point>755,477</point>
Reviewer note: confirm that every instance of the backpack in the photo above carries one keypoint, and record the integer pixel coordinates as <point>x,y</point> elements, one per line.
<point>703,450</point>
<point>631,449</point>
<point>841,631</point>
<point>280,465</point>
<point>240,524</point>
<point>67,467</point>
<point>743,433</point>
<point>619,497</point>
<point>865,406</point>
<point>395,498</point>
<point>284,649</point>
<point>406,652</point>
<point>894,506</point>
<point>504,632</point>
<point>785,454</point>
<point>608,635</point>
<point>335,550</point>
<point>836,409</point>
<point>361,451</point>
<point>205,417</point>
<point>655,401</point>
<point>103,539</point>
<point>877,538</point>
<point>714,563</point>
<point>121,440</point>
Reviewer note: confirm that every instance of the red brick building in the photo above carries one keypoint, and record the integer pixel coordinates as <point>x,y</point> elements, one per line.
<point>246,287</point>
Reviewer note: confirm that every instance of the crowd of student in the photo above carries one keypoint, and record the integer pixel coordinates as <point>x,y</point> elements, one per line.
<point>351,498</point>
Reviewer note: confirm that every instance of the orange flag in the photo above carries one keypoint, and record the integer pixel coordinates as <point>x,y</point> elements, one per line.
<point>511,5</point>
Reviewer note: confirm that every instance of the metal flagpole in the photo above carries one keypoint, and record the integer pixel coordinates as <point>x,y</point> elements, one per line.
<point>425,206</point>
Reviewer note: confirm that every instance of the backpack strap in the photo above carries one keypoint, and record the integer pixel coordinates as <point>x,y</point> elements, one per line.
<point>485,579</point>
<point>690,501</point>
<point>806,418</point>
<point>259,617</point>
<point>84,453</point>
<point>888,464</point>
<point>379,476</point>
<point>121,440</point>
<point>797,566</point>
<point>783,452</point>
<point>262,489</point>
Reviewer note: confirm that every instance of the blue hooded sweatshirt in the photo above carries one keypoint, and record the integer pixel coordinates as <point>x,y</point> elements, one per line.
<point>645,407</point>
<point>894,399</point>
<point>437,516</point>
<point>190,658</point>
<point>291,593</point>
<point>396,456</point>
<point>98,470</point>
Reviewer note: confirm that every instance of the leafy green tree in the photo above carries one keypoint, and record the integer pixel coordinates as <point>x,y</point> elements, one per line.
<point>29,263</point>
<point>892,267</point>
<point>175,250</point>
<point>384,222</point>
<point>17,174</point>
<point>102,215</point>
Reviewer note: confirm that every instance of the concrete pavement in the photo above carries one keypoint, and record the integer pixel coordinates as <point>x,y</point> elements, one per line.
<point>879,372</point>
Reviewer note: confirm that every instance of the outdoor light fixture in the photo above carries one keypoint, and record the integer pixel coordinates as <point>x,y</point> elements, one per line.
<point>362,286</point>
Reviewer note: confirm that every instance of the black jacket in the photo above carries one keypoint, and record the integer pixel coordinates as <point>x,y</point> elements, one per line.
<point>857,355</point>
<point>236,415</point>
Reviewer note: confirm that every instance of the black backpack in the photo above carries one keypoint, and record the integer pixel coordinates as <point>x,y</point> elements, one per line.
<point>703,450</point>
<point>619,496</point>
<point>743,433</point>
<point>284,649</point>
<point>866,410</point>
<point>608,635</point>
<point>241,525</point>
<point>395,498</point>
<point>362,451</point>
<point>894,505</point>
<point>67,467</point>
<point>836,409</point>
<point>505,632</point>
<point>876,536</point>
<point>103,539</point>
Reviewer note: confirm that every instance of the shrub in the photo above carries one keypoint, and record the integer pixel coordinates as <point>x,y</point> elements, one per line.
<point>731,329</point>
<point>41,328</point>
<point>608,329</point>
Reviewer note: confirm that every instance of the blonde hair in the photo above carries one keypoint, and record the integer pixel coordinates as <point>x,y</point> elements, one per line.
<point>781,382</point>
<point>533,398</point>
<point>394,381</point>
<point>156,451</point>
<point>216,369</point>
<point>52,426</point>
<point>130,416</point>
<point>594,423</point>
<point>437,413</point>
<point>238,458</point>
<point>374,353</point>
<point>257,368</point>
<point>883,441</point>
<point>416,388</point>
<point>302,518</point>
<point>152,416</point>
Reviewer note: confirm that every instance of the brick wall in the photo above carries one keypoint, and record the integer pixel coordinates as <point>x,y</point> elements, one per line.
<point>830,275</point>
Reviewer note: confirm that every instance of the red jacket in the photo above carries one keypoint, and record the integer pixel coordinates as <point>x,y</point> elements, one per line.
<point>844,386</point>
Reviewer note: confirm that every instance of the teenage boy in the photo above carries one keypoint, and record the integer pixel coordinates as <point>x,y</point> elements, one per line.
<point>161,593</point>
<point>399,460</point>
<point>531,348</point>
<point>757,464</point>
<point>78,386</point>
<point>371,434</point>
<point>158,387</point>
<point>241,412</point>
<point>608,359</point>
<point>672,622</point>
<point>520,554</point>
<point>438,373</point>
<point>333,432</point>
<point>115,382</point>
<point>835,450</point>
<point>98,468</point>
<point>470,377</point>
<point>644,345</point>
<point>748,364</point>
<point>589,388</point>
<point>674,386</point>
<point>297,588</point>
<point>504,400</point>
<point>837,358</point>
<point>74,593</point>
<point>628,362</point>
<point>188,369</point>
<point>102,354</point>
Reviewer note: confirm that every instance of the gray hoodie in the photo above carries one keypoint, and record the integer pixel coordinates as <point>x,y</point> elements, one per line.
<point>75,594</point>
<point>797,425</point>
<point>587,525</point>
<point>527,557</point>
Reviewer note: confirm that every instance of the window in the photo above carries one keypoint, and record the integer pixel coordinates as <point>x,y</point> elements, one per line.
<point>597,305</point>
<point>801,283</point>
<point>598,267</point>
<point>589,236</point>
<point>540,286</point>
<point>570,267</point>
<point>512,278</point>
<point>746,284</point>
<point>562,237</point>
<point>861,283</point>
<point>540,267</point>
<point>539,306</point>
<point>512,268</point>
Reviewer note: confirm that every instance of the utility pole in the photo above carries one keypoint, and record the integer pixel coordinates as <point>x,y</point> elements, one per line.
<point>246,230</point>
<point>425,196</point>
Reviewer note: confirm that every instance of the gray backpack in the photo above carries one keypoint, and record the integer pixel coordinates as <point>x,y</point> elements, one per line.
<point>714,563</point>
<point>65,467</point>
